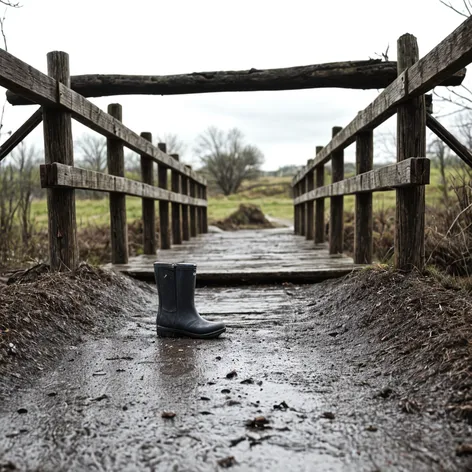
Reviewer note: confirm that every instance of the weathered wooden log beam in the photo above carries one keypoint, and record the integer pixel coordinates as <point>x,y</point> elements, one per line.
<point>21,133</point>
<point>371,74</point>
<point>411,172</point>
<point>57,175</point>
<point>449,139</point>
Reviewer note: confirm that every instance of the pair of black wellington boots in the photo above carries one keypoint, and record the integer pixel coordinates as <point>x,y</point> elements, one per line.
<point>177,315</point>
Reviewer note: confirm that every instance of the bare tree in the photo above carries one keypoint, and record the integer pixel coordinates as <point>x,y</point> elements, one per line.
<point>227,158</point>
<point>174,144</point>
<point>93,152</point>
<point>27,163</point>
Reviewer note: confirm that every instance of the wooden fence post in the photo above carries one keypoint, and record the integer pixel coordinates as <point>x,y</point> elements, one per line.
<point>193,210</point>
<point>58,147</point>
<point>336,219</point>
<point>176,223</point>
<point>199,210</point>
<point>296,211</point>
<point>310,185</point>
<point>185,211</point>
<point>116,166</point>
<point>411,142</point>
<point>363,226</point>
<point>302,191</point>
<point>164,230</point>
<point>319,205</point>
<point>205,210</point>
<point>148,206</point>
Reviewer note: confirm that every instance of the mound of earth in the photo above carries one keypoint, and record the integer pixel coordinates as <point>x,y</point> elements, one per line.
<point>42,313</point>
<point>247,216</point>
<point>410,329</point>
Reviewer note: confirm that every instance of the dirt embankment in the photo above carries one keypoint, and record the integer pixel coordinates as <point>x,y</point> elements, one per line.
<point>41,313</point>
<point>412,329</point>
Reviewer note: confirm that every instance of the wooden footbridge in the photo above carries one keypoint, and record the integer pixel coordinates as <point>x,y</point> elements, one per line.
<point>300,253</point>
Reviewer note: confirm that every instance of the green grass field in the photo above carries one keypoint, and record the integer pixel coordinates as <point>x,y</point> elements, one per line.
<point>270,193</point>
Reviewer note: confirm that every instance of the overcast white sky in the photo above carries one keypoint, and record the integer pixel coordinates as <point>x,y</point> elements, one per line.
<point>183,36</point>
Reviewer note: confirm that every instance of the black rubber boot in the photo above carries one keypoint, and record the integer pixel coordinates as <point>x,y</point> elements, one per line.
<point>177,315</point>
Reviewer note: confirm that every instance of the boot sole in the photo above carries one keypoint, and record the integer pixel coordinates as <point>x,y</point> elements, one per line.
<point>178,333</point>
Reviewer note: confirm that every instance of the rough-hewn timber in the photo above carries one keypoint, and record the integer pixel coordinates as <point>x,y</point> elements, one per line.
<point>363,242</point>
<point>448,138</point>
<point>116,167</point>
<point>411,141</point>
<point>370,74</point>
<point>256,256</point>
<point>58,146</point>
<point>407,173</point>
<point>148,204</point>
<point>21,133</point>
<point>453,53</point>
<point>59,175</point>
<point>336,206</point>
<point>16,74</point>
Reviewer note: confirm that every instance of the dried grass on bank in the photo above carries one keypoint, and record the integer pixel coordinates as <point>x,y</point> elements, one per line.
<point>41,312</point>
<point>412,327</point>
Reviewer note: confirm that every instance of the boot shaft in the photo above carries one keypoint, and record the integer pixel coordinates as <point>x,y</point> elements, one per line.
<point>166,287</point>
<point>175,286</point>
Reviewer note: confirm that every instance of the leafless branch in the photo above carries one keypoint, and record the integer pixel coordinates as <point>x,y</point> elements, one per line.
<point>467,6</point>
<point>10,4</point>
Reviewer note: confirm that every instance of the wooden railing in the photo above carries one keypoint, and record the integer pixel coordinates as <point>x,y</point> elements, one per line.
<point>187,195</point>
<point>404,96</point>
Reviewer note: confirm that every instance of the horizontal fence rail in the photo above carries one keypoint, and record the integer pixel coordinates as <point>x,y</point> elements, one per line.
<point>452,54</point>
<point>18,76</point>
<point>407,173</point>
<point>59,175</point>
<point>404,96</point>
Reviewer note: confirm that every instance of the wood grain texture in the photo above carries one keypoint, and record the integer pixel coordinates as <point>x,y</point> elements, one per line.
<point>309,206</point>
<point>185,211</point>
<point>21,133</point>
<point>449,56</point>
<point>336,207</point>
<point>410,172</point>
<point>302,210</point>
<point>448,138</point>
<point>164,226</point>
<point>193,212</point>
<point>319,203</point>
<point>62,176</point>
<point>370,74</point>
<point>31,83</point>
<point>175,207</point>
<point>411,141</point>
<point>148,204</point>
<point>116,167</point>
<point>363,241</point>
<point>204,210</point>
<point>58,147</point>
<point>255,256</point>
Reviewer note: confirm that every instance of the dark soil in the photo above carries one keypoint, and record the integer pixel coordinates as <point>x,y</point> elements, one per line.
<point>247,216</point>
<point>369,372</point>
<point>41,312</point>
<point>412,329</point>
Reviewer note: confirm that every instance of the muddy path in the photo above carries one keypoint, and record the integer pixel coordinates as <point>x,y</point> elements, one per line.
<point>101,407</point>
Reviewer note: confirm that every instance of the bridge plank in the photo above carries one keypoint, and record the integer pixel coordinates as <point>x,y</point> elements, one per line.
<point>61,176</point>
<point>252,256</point>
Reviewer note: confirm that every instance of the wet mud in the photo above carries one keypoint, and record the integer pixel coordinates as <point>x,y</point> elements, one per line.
<point>272,394</point>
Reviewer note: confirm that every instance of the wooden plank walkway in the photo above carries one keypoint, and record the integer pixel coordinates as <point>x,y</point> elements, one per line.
<point>250,256</point>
